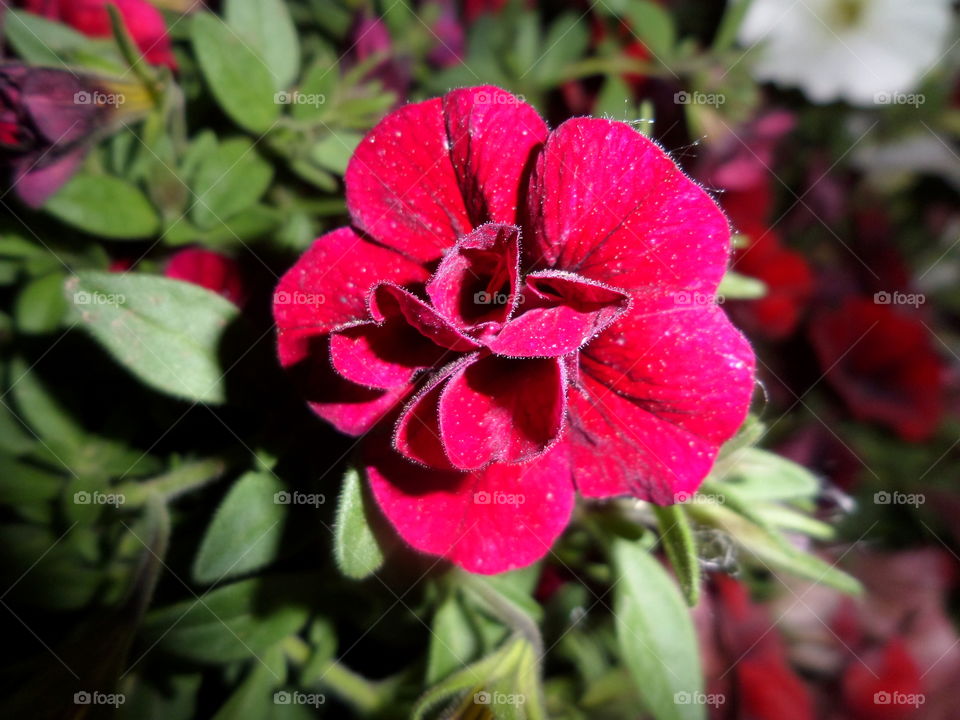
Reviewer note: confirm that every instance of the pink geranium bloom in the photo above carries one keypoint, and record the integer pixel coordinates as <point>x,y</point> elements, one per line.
<point>514,315</point>
<point>143,21</point>
<point>211,270</point>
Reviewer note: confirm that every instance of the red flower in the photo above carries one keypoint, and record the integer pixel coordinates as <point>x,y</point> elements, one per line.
<point>883,684</point>
<point>143,21</point>
<point>211,270</point>
<point>539,302</point>
<point>883,364</point>
<point>789,282</point>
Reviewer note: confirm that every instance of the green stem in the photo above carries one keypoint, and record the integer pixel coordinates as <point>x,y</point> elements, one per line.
<point>168,486</point>
<point>366,696</point>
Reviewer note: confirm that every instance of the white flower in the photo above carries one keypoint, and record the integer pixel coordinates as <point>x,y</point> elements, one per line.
<point>863,51</point>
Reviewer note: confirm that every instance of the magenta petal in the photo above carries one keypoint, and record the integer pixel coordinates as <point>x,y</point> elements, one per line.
<point>382,355</point>
<point>350,408</point>
<point>477,281</point>
<point>502,410</point>
<point>401,187</point>
<point>607,203</point>
<point>491,521</point>
<point>417,435</point>
<point>36,179</point>
<point>561,313</point>
<point>493,139</point>
<point>329,284</point>
<point>659,394</point>
<point>388,300</point>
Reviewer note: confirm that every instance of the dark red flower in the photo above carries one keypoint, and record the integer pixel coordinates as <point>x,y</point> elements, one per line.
<point>143,21</point>
<point>47,120</point>
<point>540,304</point>
<point>788,279</point>
<point>212,270</point>
<point>883,364</point>
<point>883,684</point>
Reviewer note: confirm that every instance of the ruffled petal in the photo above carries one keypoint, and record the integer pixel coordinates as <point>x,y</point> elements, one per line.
<point>329,284</point>
<point>477,282</point>
<point>607,203</point>
<point>659,394</point>
<point>493,139</point>
<point>382,356</point>
<point>562,312</point>
<point>502,410</point>
<point>349,407</point>
<point>401,187</point>
<point>490,521</point>
<point>388,300</point>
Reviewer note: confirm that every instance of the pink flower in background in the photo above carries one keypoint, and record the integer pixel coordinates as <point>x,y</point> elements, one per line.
<point>516,314</point>
<point>144,22</point>
<point>212,270</point>
<point>44,132</point>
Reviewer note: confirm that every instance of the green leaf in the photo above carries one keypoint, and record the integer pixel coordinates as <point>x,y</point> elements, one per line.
<point>39,41</point>
<point>452,640</point>
<point>267,26</point>
<point>164,331</point>
<point>106,206</point>
<point>227,181</point>
<point>677,539</point>
<point>733,16</point>
<point>566,41</point>
<point>245,532</point>
<point>319,83</point>
<point>236,622</point>
<point>656,636</point>
<point>334,151</point>
<point>237,77</point>
<point>40,411</point>
<point>40,305</point>
<point>759,475</point>
<point>653,26</point>
<point>254,698</point>
<point>735,286</point>
<point>356,550</point>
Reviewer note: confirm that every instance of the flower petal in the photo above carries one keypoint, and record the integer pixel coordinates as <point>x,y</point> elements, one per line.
<point>388,300</point>
<point>607,203</point>
<point>417,435</point>
<point>497,519</point>
<point>401,187</point>
<point>477,281</point>
<point>502,410</point>
<point>658,395</point>
<point>329,284</point>
<point>382,355</point>
<point>493,138</point>
<point>349,407</point>
<point>562,313</point>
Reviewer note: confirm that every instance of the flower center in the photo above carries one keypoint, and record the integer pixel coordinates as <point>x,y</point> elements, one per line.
<point>848,13</point>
